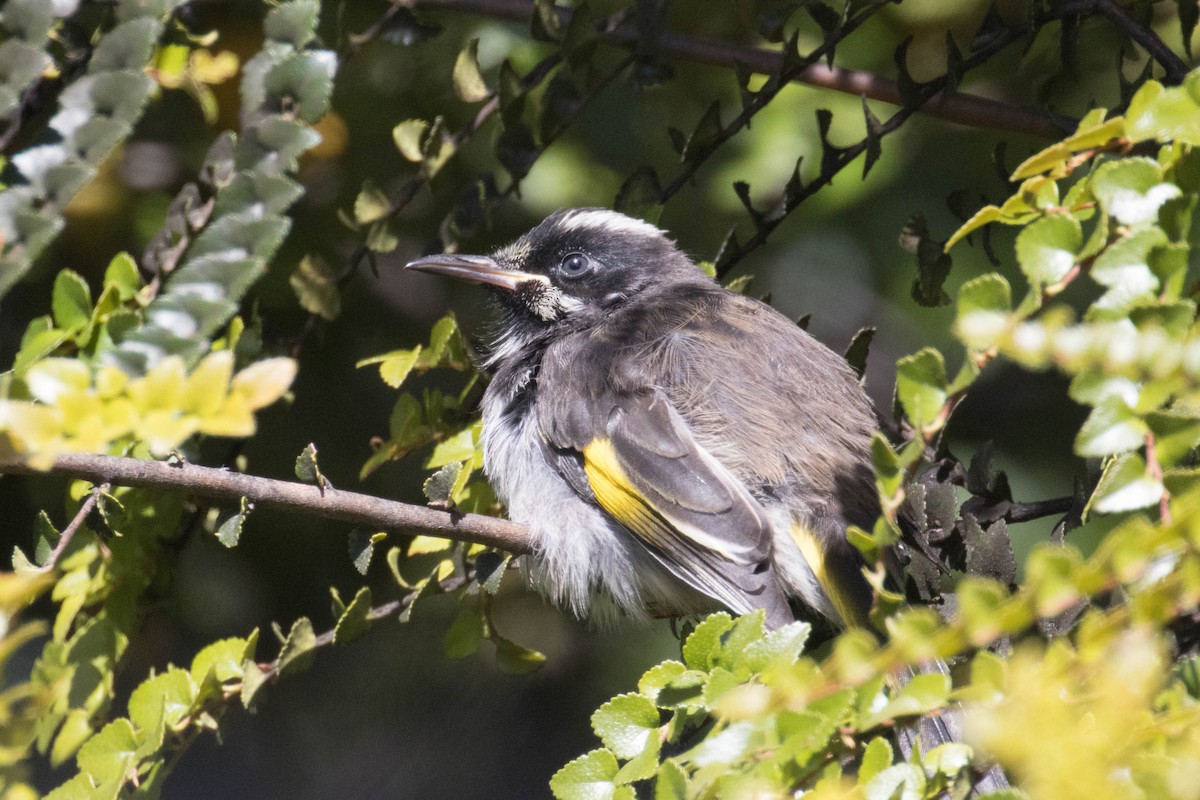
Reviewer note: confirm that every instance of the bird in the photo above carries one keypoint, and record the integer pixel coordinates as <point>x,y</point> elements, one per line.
<point>674,447</point>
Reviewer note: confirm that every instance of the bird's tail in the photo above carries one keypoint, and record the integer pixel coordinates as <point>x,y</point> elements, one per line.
<point>941,729</point>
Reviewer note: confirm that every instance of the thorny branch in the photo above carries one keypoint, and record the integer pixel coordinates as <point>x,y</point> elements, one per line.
<point>966,109</point>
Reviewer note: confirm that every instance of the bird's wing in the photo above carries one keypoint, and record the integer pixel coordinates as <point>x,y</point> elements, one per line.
<point>644,467</point>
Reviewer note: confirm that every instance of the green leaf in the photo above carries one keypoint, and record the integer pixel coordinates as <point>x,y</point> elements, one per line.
<point>299,649</point>
<point>589,777</point>
<point>948,759</point>
<point>1112,427</point>
<point>468,82</point>
<point>79,787</point>
<point>457,448</point>
<point>438,486</point>
<point>860,346</point>
<point>306,466</point>
<point>423,588</point>
<point>921,385</point>
<point>641,767</point>
<point>902,781</point>
<point>544,25</point>
<point>71,301</point>
<point>933,263</point>
<point>983,216</point>
<point>253,680</point>
<point>45,537</point>
<point>626,724</point>
<point>658,677</point>
<point>702,647</point>
<point>671,782</point>
<point>223,659</point>
<point>1047,249</point>
<point>707,130</point>
<point>1124,267</point>
<point>465,633</point>
<point>490,567</point>
<point>780,646</point>
<point>875,759</point>
<point>923,693</point>
<point>362,547</point>
<point>514,659</point>
<point>163,700</point>
<point>409,137</point>
<point>984,304</point>
<point>122,274</point>
<point>1132,190</point>
<point>1125,485</point>
<point>730,745</point>
<point>1176,434</point>
<point>371,205</point>
<point>294,22</point>
<point>989,292</point>
<point>110,754</point>
<point>747,628</point>
<point>640,195</point>
<point>395,366</point>
<point>354,621</point>
<point>1165,114</point>
<point>230,531</point>
<point>316,289</point>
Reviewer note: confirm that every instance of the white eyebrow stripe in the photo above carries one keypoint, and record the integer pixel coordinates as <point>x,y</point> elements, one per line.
<point>607,220</point>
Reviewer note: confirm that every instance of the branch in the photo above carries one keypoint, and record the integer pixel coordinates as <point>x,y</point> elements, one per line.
<point>1172,64</point>
<point>962,108</point>
<point>352,507</point>
<point>1025,512</point>
<point>68,533</point>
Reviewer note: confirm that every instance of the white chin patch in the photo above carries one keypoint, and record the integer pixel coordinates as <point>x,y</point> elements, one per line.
<point>551,304</point>
<point>604,219</point>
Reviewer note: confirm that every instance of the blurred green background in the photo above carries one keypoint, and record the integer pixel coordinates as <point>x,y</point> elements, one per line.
<point>390,716</point>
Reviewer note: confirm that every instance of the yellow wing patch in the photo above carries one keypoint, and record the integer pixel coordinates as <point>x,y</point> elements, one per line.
<point>618,496</point>
<point>810,548</point>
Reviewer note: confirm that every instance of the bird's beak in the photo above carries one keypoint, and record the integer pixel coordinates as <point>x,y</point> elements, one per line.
<point>477,269</point>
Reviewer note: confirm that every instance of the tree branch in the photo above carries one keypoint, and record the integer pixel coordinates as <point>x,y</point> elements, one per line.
<point>958,107</point>
<point>1025,512</point>
<point>352,507</point>
<point>68,533</point>
<point>1172,64</point>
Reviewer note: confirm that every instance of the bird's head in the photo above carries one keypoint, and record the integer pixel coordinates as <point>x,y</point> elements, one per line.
<point>573,265</point>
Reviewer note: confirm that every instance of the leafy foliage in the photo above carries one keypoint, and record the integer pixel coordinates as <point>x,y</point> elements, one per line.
<point>96,112</point>
<point>1094,647</point>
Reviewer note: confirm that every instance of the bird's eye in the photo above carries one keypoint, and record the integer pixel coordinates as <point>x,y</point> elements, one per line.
<point>575,265</point>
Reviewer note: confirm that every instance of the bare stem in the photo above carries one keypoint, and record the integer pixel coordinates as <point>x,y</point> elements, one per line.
<point>352,507</point>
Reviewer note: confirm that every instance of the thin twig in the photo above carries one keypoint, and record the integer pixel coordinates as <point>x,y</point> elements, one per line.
<point>352,507</point>
<point>68,533</point>
<point>1025,512</point>
<point>1156,472</point>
